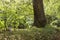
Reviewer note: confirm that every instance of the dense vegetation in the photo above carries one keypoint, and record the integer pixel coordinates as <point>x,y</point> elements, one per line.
<point>17,13</point>
<point>17,18</point>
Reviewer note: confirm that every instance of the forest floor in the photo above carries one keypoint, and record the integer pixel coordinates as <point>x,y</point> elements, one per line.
<point>31,34</point>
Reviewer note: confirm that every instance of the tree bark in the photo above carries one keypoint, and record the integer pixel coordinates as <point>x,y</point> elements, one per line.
<point>39,15</point>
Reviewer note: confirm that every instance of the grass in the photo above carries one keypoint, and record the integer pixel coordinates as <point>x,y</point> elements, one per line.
<point>47,33</point>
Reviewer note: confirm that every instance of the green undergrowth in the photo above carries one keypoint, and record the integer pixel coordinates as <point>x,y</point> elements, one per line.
<point>47,33</point>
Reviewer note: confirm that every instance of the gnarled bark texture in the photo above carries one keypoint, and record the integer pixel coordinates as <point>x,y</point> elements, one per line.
<point>39,15</point>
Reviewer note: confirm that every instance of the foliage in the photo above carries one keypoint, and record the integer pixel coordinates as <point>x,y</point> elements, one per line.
<point>13,13</point>
<point>52,12</point>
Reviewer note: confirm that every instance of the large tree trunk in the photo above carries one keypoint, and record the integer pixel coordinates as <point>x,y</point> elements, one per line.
<point>39,15</point>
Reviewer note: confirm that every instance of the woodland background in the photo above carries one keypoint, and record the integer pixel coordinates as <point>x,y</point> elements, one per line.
<point>17,18</point>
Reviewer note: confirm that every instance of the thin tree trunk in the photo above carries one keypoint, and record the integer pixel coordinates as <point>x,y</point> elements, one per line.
<point>39,15</point>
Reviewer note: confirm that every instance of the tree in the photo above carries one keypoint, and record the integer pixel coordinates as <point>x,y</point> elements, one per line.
<point>39,15</point>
